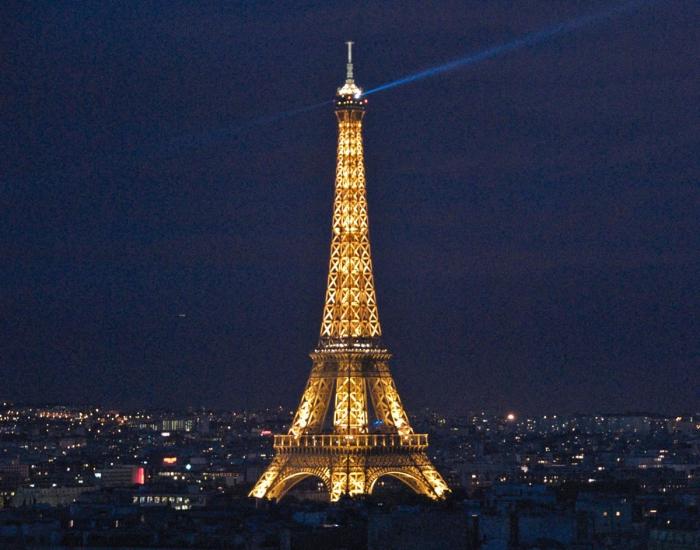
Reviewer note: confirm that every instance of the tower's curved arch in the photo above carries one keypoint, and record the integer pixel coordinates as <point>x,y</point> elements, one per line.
<point>415,483</point>
<point>286,482</point>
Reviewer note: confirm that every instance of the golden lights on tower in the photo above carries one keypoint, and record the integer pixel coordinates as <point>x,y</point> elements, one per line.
<point>368,434</point>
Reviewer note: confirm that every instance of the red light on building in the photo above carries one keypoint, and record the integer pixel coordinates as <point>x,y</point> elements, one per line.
<point>139,476</point>
<point>266,433</point>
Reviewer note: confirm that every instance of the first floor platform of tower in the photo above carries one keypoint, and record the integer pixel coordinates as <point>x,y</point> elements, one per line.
<point>350,464</point>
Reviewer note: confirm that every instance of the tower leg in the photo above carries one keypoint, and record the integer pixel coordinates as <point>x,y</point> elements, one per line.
<point>285,471</point>
<point>430,474</point>
<point>268,478</point>
<point>387,404</point>
<point>348,476</point>
<point>313,406</point>
<point>414,470</point>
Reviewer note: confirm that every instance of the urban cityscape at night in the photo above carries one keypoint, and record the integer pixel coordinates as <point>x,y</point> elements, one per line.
<point>88,476</point>
<point>510,362</point>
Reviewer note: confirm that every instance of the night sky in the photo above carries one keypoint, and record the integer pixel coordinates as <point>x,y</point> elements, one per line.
<point>535,217</point>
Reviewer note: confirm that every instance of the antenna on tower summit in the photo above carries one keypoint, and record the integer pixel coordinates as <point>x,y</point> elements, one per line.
<point>349,75</point>
<point>350,91</point>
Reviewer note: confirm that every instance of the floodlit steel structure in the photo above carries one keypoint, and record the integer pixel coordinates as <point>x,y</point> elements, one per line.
<point>368,434</point>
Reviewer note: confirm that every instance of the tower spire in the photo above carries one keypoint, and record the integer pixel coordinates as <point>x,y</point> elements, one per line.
<point>349,75</point>
<point>349,90</point>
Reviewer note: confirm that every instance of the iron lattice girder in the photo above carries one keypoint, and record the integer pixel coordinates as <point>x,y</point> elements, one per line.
<point>350,309</point>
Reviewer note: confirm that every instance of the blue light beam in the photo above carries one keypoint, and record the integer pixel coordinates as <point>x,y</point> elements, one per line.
<point>206,138</point>
<point>530,39</point>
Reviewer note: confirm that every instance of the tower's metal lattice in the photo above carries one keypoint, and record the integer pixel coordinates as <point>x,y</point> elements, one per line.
<point>368,434</point>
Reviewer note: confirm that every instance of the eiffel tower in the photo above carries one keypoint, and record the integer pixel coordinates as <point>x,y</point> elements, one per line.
<point>367,434</point>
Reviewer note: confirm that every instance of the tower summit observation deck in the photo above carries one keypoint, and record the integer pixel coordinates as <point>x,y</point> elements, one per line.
<point>365,434</point>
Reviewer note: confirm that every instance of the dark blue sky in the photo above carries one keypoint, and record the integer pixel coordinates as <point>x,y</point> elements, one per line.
<point>535,217</point>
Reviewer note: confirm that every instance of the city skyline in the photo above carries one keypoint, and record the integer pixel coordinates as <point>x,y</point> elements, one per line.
<point>536,242</point>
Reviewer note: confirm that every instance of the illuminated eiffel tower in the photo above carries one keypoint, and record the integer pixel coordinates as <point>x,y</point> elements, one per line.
<point>367,434</point>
